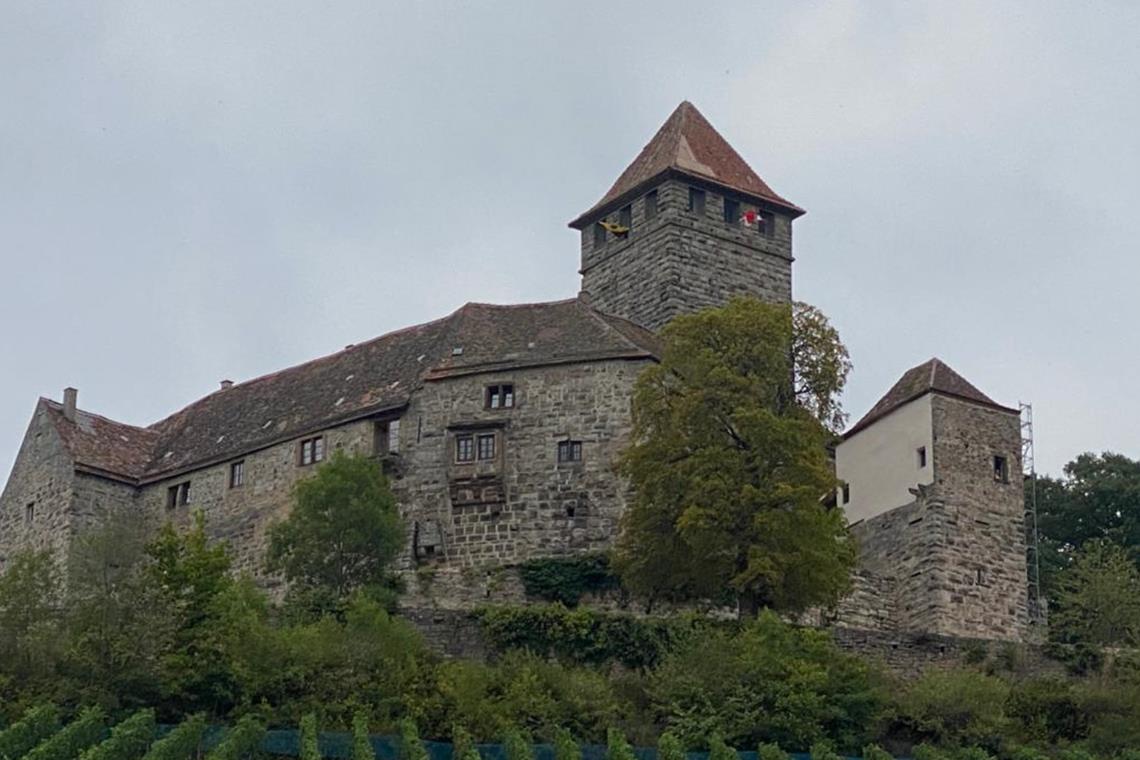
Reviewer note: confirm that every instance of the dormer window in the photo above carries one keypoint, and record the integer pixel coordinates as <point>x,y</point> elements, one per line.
<point>697,201</point>
<point>500,396</point>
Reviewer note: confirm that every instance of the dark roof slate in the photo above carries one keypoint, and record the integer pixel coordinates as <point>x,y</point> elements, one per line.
<point>364,379</point>
<point>933,376</point>
<point>688,143</point>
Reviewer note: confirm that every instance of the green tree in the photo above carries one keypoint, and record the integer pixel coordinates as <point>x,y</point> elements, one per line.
<point>1098,599</point>
<point>342,533</point>
<point>30,596</point>
<point>729,461</point>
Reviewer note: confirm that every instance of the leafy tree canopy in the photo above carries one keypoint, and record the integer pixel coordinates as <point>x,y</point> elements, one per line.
<point>729,461</point>
<point>1098,598</point>
<point>343,531</point>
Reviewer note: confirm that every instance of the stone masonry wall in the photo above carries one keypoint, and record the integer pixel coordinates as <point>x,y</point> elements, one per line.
<point>679,262</point>
<point>482,519</point>
<point>984,551</point>
<point>43,478</point>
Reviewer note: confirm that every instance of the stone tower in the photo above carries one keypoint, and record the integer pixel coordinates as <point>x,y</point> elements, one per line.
<point>933,490</point>
<point>686,226</point>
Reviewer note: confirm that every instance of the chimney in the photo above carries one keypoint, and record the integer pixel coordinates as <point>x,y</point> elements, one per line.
<point>70,397</point>
<point>227,384</point>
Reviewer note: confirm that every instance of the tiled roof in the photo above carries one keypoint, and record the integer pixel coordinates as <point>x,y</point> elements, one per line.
<point>363,379</point>
<point>688,144</point>
<point>930,376</point>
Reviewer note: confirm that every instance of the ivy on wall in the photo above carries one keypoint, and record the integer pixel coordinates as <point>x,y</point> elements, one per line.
<point>567,579</point>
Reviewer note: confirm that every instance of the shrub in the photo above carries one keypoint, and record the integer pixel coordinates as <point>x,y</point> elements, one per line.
<point>462,745</point>
<point>1027,753</point>
<point>669,747</point>
<point>67,743</point>
<point>875,752</point>
<point>361,741</point>
<point>1074,753</point>
<point>972,753</point>
<point>565,748</point>
<point>181,743</point>
<point>411,746</point>
<point>617,748</point>
<point>516,746</point>
<point>955,708</point>
<point>823,751</point>
<point>566,579</point>
<point>240,741</point>
<point>718,750</point>
<point>927,752</point>
<point>771,752</point>
<point>36,725</point>
<point>128,740</point>
<point>310,750</point>
<point>1046,709</point>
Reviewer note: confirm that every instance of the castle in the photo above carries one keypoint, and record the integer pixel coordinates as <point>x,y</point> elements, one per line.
<point>499,425</point>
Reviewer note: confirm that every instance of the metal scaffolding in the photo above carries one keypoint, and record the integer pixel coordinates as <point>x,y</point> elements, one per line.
<point>1032,551</point>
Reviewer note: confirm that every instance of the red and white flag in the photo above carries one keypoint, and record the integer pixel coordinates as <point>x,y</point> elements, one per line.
<point>749,218</point>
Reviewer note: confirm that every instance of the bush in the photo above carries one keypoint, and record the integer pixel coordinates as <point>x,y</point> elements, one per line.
<point>565,748</point>
<point>70,741</point>
<point>181,743</point>
<point>823,751</point>
<point>927,752</point>
<point>361,741</point>
<point>955,708</point>
<point>669,747</point>
<point>1046,709</point>
<point>462,745</point>
<point>36,725</point>
<point>1025,753</point>
<point>718,750</point>
<point>128,740</point>
<point>566,579</point>
<point>310,749</point>
<point>411,746</point>
<point>617,748</point>
<point>516,746</point>
<point>972,753</point>
<point>875,752</point>
<point>240,741</point>
<point>771,752</point>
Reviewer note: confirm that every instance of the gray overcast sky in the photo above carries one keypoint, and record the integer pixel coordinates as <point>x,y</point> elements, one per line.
<point>208,190</point>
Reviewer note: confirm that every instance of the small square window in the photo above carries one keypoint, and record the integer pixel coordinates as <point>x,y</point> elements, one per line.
<point>731,211</point>
<point>625,217</point>
<point>569,451</point>
<point>486,443</point>
<point>921,454</point>
<point>178,496</point>
<point>1001,469</point>
<point>846,493</point>
<point>599,235</point>
<point>30,512</point>
<point>237,474</point>
<point>312,450</point>
<point>500,396</point>
<point>464,448</point>
<point>651,205</point>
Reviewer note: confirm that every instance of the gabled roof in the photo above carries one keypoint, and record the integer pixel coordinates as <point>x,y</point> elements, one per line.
<point>362,380</point>
<point>688,144</point>
<point>933,376</point>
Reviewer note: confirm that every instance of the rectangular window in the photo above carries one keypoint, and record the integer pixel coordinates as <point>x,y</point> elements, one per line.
<point>178,496</point>
<point>500,396</point>
<point>625,217</point>
<point>651,205</point>
<point>464,448</point>
<point>237,474</point>
<point>846,493</point>
<point>599,235</point>
<point>30,512</point>
<point>486,446</point>
<point>312,450</point>
<point>386,438</point>
<point>766,224</point>
<point>921,452</point>
<point>697,201</point>
<point>1001,470</point>
<point>731,211</point>
<point>569,451</point>
<point>394,437</point>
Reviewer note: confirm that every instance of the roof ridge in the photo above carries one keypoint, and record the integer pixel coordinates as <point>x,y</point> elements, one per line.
<point>55,406</point>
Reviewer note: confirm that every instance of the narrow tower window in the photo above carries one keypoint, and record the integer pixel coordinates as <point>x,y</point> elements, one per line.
<point>697,201</point>
<point>599,235</point>
<point>651,205</point>
<point>625,217</point>
<point>237,474</point>
<point>921,452</point>
<point>846,493</point>
<point>30,512</point>
<point>1001,470</point>
<point>731,211</point>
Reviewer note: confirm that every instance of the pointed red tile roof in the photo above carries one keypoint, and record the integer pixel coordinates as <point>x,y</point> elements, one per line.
<point>933,376</point>
<point>689,145</point>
